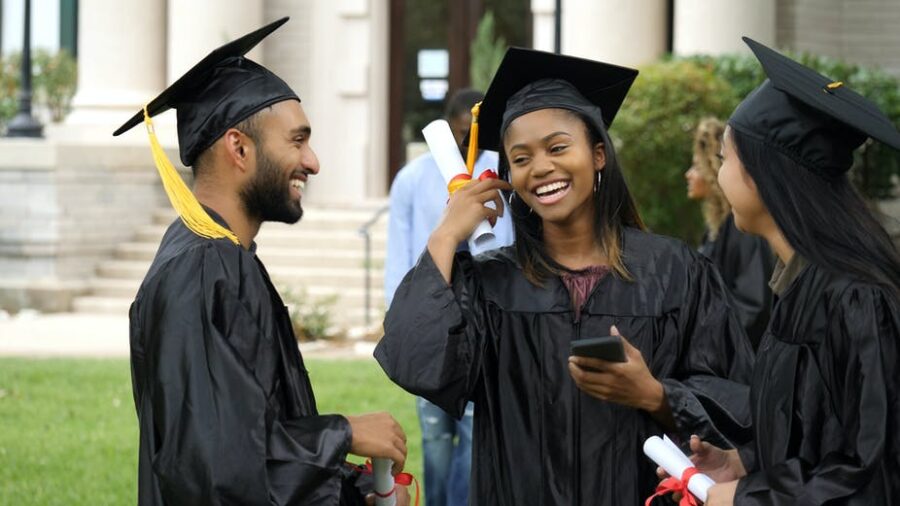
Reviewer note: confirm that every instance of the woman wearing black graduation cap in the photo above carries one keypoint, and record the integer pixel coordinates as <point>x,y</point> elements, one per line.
<point>826,386</point>
<point>496,329</point>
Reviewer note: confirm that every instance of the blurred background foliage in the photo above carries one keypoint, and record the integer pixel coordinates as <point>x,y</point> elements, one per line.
<point>55,77</point>
<point>654,129</point>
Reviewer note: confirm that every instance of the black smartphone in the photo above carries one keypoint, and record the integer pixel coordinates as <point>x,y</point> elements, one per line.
<point>607,348</point>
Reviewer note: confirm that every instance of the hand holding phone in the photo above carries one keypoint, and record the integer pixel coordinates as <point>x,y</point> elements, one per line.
<point>607,348</point>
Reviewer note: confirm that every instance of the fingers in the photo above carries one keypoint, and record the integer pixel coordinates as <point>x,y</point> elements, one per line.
<point>595,364</point>
<point>699,447</point>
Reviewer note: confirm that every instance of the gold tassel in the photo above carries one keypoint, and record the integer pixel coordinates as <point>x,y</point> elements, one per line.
<point>472,155</point>
<point>183,200</point>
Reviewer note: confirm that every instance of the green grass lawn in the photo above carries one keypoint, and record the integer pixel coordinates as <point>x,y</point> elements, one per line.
<point>68,429</point>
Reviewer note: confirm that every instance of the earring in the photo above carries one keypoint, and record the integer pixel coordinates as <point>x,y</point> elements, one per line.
<point>513,197</point>
<point>599,179</point>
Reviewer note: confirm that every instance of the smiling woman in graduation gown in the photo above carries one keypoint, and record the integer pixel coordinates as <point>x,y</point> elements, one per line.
<point>494,336</point>
<point>826,387</point>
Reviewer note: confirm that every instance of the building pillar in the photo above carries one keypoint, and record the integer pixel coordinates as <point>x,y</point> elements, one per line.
<point>704,27</point>
<point>196,27</point>
<point>543,34</point>
<point>122,53</point>
<point>623,32</point>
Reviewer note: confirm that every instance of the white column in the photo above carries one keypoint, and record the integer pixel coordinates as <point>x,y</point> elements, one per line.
<point>121,59</point>
<point>543,15</point>
<point>196,27</point>
<point>624,32</point>
<point>716,27</point>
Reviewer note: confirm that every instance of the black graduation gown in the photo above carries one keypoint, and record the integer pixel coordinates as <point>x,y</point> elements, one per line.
<point>746,263</point>
<point>825,399</point>
<point>225,406</point>
<point>498,340</point>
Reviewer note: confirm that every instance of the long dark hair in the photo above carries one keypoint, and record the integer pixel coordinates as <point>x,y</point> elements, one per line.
<point>614,210</point>
<point>824,219</point>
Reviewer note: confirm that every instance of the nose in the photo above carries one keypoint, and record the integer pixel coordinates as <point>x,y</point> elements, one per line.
<point>310,161</point>
<point>543,165</point>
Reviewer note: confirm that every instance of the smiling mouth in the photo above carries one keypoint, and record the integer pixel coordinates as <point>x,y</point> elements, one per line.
<point>552,192</point>
<point>298,184</point>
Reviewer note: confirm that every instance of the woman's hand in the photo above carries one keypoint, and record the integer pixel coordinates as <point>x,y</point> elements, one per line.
<point>720,465</point>
<point>721,494</point>
<point>723,466</point>
<point>466,209</point>
<point>629,383</point>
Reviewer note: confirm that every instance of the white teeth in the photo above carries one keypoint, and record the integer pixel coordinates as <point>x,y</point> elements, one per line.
<point>298,184</point>
<point>552,187</point>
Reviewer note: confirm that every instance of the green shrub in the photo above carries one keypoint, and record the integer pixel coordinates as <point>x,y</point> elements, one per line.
<point>54,81</point>
<point>311,317</point>
<point>875,164</point>
<point>653,134</point>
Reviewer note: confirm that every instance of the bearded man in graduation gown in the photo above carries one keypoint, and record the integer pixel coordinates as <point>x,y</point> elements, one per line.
<point>225,406</point>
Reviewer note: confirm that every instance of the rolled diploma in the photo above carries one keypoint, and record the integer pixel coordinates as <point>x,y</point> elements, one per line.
<point>449,160</point>
<point>674,461</point>
<point>384,482</point>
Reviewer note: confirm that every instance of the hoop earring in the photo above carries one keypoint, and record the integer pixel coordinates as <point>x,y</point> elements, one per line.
<point>599,179</point>
<point>512,196</point>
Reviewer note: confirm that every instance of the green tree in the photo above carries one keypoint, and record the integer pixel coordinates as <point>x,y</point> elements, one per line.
<point>486,52</point>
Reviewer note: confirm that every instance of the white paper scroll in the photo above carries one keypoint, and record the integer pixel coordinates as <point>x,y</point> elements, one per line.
<point>449,160</point>
<point>384,482</point>
<point>668,456</point>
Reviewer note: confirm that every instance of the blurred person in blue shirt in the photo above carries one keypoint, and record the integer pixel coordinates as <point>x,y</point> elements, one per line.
<point>417,201</point>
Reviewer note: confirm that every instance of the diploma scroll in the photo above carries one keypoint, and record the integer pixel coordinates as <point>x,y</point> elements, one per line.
<point>449,160</point>
<point>384,482</point>
<point>668,456</point>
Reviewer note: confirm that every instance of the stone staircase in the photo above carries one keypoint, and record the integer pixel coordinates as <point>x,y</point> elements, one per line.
<point>319,259</point>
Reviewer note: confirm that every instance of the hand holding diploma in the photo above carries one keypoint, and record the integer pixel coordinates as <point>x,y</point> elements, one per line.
<point>722,466</point>
<point>446,154</point>
<point>684,477</point>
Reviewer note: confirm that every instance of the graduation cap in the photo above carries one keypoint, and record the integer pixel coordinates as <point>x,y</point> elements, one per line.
<point>216,94</point>
<point>816,121</point>
<point>528,80</point>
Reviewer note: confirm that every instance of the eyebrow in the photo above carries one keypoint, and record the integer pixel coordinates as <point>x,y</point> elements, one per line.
<point>303,130</point>
<point>544,139</point>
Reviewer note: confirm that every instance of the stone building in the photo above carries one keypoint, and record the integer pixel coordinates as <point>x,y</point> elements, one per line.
<point>68,200</point>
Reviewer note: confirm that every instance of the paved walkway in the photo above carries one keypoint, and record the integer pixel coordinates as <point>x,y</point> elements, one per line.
<point>31,334</point>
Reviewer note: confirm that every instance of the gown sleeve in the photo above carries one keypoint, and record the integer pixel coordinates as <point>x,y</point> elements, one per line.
<point>708,391</point>
<point>215,442</point>
<point>863,336</point>
<point>434,334</point>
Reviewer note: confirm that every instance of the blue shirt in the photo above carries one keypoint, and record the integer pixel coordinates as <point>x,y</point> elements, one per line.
<point>418,198</point>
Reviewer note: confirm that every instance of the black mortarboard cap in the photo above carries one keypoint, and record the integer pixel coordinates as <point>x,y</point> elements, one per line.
<point>220,91</point>
<point>808,117</point>
<point>528,80</point>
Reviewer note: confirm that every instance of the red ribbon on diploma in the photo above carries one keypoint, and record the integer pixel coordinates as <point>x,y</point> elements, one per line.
<point>463,179</point>
<point>672,484</point>
<point>405,479</point>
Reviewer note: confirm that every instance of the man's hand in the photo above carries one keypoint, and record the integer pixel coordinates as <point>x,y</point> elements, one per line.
<point>378,435</point>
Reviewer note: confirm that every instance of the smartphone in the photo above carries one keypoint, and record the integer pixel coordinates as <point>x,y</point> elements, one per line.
<point>607,348</point>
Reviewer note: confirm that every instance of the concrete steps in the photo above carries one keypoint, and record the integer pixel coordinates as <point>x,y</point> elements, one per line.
<point>320,260</point>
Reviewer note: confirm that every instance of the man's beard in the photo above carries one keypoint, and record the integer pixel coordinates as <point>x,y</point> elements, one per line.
<point>267,197</point>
